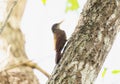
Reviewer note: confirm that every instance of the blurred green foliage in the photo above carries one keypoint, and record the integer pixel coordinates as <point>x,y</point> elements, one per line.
<point>104,72</point>
<point>44,1</point>
<point>72,5</point>
<point>115,71</point>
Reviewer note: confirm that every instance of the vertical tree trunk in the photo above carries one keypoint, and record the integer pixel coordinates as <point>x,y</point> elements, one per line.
<point>12,45</point>
<point>90,43</point>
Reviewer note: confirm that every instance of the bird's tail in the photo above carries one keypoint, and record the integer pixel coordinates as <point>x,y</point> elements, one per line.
<point>58,57</point>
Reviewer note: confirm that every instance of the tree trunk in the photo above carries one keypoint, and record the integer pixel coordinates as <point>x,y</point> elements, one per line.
<point>12,48</point>
<point>89,44</point>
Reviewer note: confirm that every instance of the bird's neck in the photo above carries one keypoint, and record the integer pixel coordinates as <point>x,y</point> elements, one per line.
<point>56,30</point>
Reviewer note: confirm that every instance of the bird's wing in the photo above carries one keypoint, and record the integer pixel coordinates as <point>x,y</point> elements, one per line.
<point>60,41</point>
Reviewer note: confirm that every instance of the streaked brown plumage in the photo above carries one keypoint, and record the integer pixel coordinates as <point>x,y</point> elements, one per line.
<point>59,40</point>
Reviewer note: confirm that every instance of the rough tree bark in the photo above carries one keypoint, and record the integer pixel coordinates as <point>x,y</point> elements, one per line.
<point>12,48</point>
<point>89,44</point>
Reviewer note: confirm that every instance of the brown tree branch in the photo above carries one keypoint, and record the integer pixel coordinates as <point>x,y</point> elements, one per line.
<point>8,15</point>
<point>28,63</point>
<point>34,65</point>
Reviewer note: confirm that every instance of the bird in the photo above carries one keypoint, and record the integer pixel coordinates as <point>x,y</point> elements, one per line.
<point>59,40</point>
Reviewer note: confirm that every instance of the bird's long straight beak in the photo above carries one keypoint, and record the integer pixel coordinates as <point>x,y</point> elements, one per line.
<point>61,22</point>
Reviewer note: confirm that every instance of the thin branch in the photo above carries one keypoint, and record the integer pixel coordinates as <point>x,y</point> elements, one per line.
<point>34,65</point>
<point>29,64</point>
<point>8,16</point>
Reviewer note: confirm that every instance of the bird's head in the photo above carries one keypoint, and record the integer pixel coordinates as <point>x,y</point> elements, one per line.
<point>56,26</point>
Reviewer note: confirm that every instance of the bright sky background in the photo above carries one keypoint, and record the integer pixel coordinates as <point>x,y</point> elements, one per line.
<point>36,26</point>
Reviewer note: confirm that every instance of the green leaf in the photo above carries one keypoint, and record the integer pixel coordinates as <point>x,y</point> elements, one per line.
<point>115,71</point>
<point>104,72</point>
<point>72,5</point>
<point>44,1</point>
